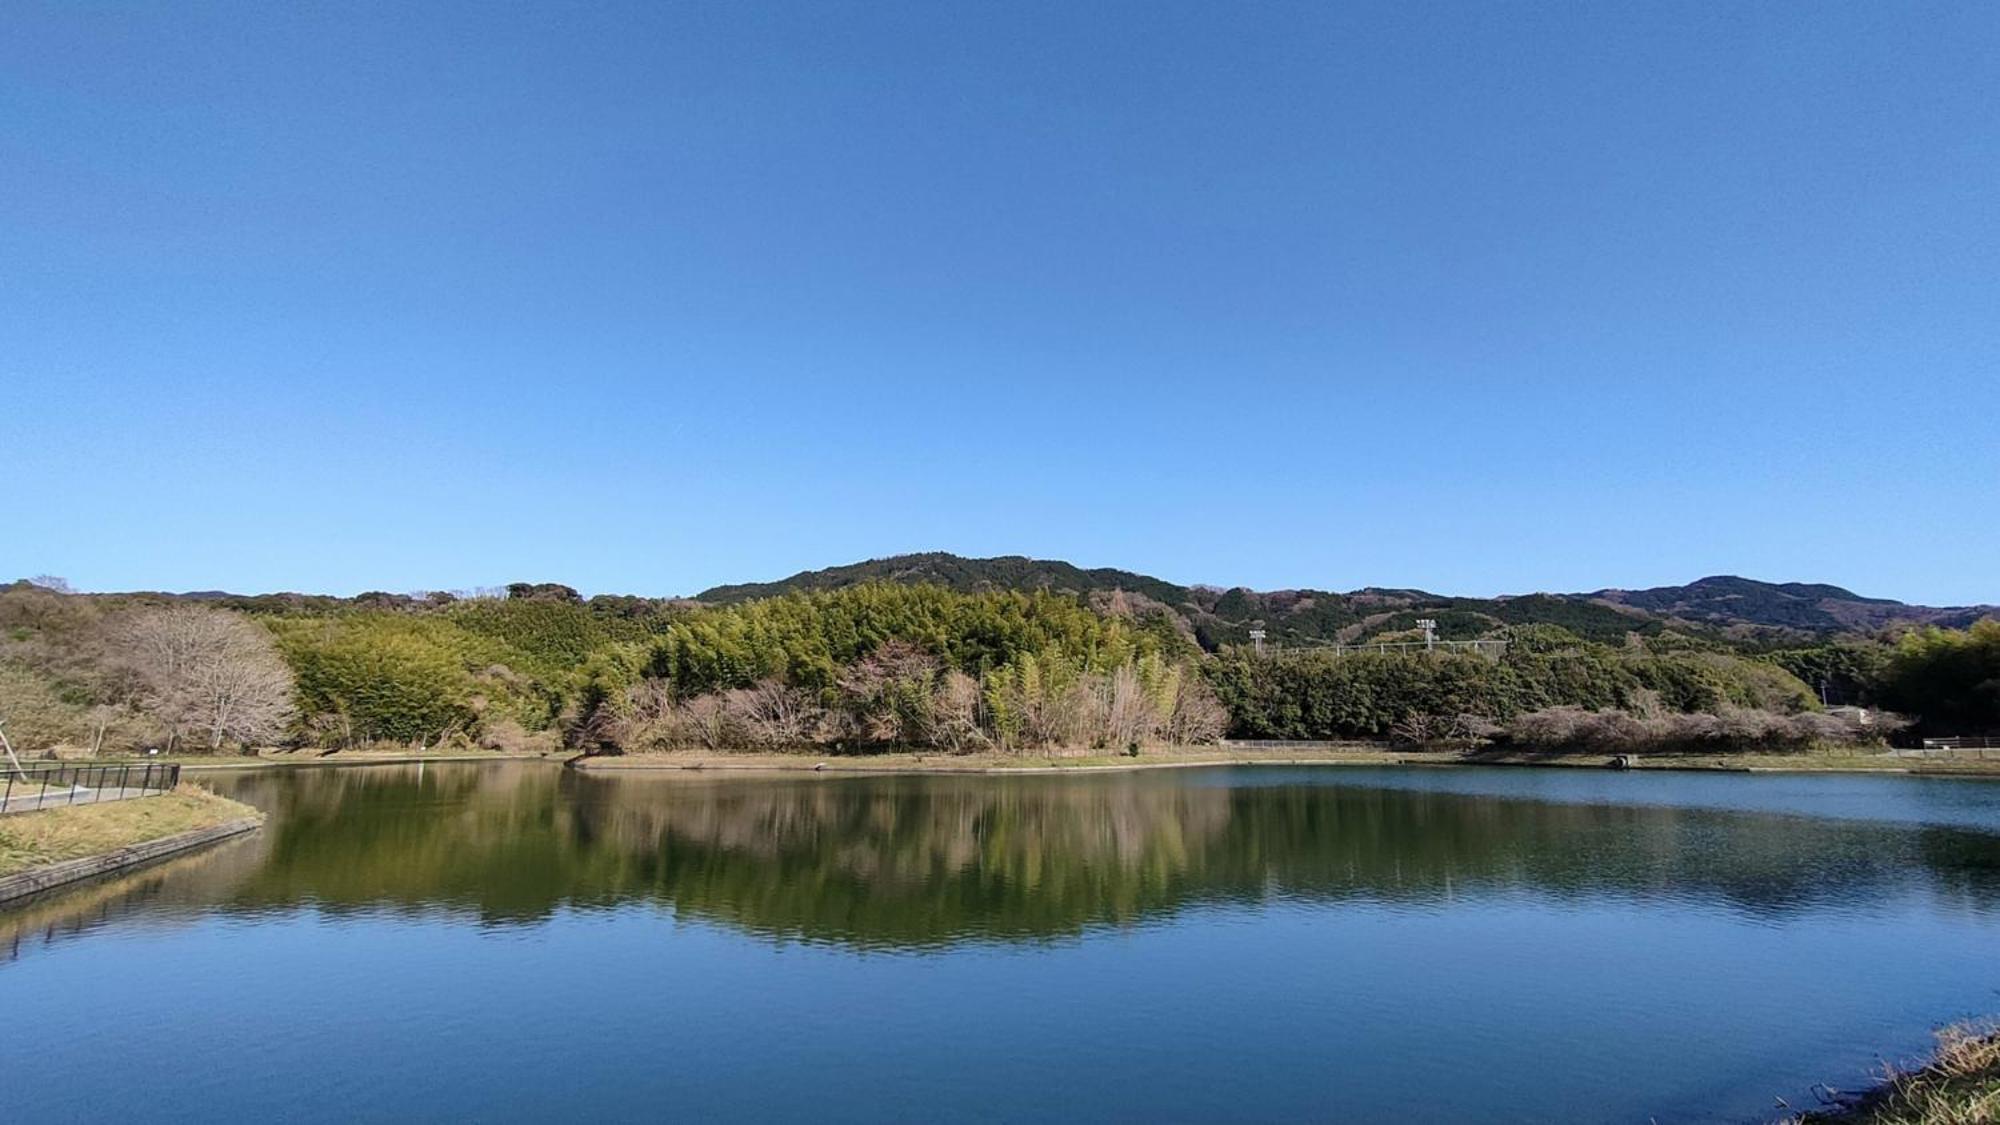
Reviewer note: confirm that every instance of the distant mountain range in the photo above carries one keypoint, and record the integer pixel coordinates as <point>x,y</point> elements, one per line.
<point>1729,600</point>
<point>1722,607</point>
<point>1743,608</point>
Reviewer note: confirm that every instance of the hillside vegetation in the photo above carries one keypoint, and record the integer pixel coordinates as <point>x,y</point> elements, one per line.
<point>1725,608</point>
<point>953,654</point>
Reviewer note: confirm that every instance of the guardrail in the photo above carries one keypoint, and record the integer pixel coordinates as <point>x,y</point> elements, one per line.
<point>45,785</point>
<point>1976,742</point>
<point>1978,747</point>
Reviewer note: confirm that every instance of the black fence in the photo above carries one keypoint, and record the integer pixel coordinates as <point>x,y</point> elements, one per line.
<point>52,785</point>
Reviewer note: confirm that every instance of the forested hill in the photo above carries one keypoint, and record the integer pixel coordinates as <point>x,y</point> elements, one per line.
<point>1723,609</point>
<point>937,568</point>
<point>949,653</point>
<point>1728,600</point>
<point>1740,607</point>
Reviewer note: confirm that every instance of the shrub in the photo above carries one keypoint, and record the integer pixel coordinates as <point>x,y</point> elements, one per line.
<point>1729,729</point>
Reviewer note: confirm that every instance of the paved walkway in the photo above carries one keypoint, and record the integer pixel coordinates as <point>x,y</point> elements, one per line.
<point>29,797</point>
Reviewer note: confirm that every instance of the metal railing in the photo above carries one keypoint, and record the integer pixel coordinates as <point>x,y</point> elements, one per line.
<point>1976,747</point>
<point>50,785</point>
<point>1976,742</point>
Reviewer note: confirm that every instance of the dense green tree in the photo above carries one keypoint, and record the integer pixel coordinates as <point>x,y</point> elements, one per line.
<point>1845,671</point>
<point>378,676</point>
<point>807,638</point>
<point>1321,695</point>
<point>1948,679</point>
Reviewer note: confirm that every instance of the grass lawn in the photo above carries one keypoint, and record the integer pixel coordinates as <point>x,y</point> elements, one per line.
<point>31,839</point>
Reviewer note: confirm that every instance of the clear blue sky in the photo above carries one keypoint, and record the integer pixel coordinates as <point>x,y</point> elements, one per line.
<point>1476,297</point>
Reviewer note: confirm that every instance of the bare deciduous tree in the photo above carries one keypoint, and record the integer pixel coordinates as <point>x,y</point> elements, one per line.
<point>103,717</point>
<point>901,695</point>
<point>1727,729</point>
<point>955,713</point>
<point>775,715</point>
<point>710,722</point>
<point>1128,714</point>
<point>210,672</point>
<point>1198,717</point>
<point>888,694</point>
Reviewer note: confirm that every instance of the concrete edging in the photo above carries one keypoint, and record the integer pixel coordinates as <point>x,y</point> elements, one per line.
<point>38,879</point>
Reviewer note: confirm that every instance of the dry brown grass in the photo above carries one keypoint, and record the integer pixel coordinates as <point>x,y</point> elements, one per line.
<point>35,838</point>
<point>1960,1085</point>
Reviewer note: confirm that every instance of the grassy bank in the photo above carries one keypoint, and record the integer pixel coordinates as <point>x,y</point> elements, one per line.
<point>1332,754</point>
<point>278,756</point>
<point>1835,761</point>
<point>32,839</point>
<point>1960,1085</point>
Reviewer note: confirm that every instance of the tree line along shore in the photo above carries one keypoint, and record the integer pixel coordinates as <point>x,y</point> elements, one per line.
<point>879,666</point>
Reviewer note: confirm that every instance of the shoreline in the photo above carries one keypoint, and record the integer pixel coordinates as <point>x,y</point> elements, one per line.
<point>643,763</point>
<point>47,848</point>
<point>197,765</point>
<point>50,876</point>
<point>994,764</point>
<point>1958,1082</point>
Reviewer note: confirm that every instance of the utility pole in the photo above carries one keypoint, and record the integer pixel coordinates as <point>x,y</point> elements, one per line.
<point>1257,636</point>
<point>1430,629</point>
<point>9,747</point>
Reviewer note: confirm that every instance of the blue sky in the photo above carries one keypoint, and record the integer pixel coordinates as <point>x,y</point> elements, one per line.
<point>1478,298</point>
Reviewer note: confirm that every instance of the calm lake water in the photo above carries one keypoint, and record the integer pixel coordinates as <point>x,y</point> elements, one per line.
<point>519,942</point>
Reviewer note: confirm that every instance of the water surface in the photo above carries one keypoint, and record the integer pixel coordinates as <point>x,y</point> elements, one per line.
<point>516,941</point>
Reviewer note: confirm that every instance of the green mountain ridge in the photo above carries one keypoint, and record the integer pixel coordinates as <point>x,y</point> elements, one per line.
<point>1727,599</point>
<point>1744,608</point>
<point>1722,608</point>
<point>944,651</point>
<point>1005,572</point>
